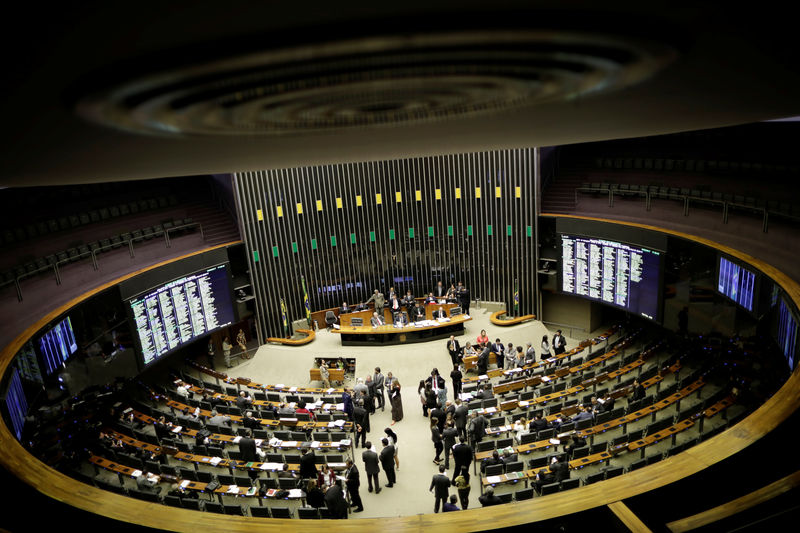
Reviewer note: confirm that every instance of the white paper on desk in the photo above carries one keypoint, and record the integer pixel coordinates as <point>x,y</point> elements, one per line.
<point>185,483</point>
<point>555,441</point>
<point>237,439</point>
<point>465,396</point>
<point>259,442</point>
<point>177,429</point>
<point>330,391</point>
<point>483,377</point>
<point>296,493</point>
<point>290,443</point>
<point>271,466</point>
<point>315,444</point>
<point>445,319</point>
<point>233,489</point>
<point>279,386</point>
<point>490,410</point>
<point>340,406</point>
<point>337,465</point>
<point>494,479</point>
<point>215,461</point>
<point>292,389</point>
<point>274,441</point>
<point>331,425</point>
<point>523,403</point>
<point>344,442</point>
<point>545,378</point>
<point>136,473</point>
<point>337,326</point>
<point>341,478</point>
<point>465,316</point>
<point>317,404</point>
<point>339,423</point>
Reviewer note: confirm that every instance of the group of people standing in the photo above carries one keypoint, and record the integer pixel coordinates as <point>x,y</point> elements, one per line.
<point>455,294</point>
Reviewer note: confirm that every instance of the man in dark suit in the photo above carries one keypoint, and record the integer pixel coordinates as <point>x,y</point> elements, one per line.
<point>477,428</point>
<point>335,502</point>
<point>387,462</point>
<point>439,291</point>
<point>244,401</point>
<point>435,380</point>
<point>344,309</point>
<point>249,422</point>
<point>538,423</point>
<point>247,448</point>
<point>449,436</point>
<point>394,304</point>
<point>361,420</point>
<point>489,498</point>
<point>460,417</point>
<point>353,483</point>
<point>638,391</point>
<point>380,386</point>
<point>559,343</point>
<point>308,464</point>
<point>483,361</point>
<point>417,313</point>
<point>400,318</point>
<point>439,313</point>
<point>491,461</point>
<point>454,348</point>
<point>371,467</point>
<point>462,457</point>
<point>560,470</point>
<point>463,297</point>
<point>543,477</point>
<point>438,413</point>
<point>409,302</point>
<point>441,483</point>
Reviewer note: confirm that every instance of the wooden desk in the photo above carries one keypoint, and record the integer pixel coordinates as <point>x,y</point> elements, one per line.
<point>335,374</point>
<point>368,336</point>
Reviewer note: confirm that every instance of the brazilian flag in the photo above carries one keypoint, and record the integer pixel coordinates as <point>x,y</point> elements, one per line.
<point>285,318</point>
<point>306,301</point>
<point>516,296</point>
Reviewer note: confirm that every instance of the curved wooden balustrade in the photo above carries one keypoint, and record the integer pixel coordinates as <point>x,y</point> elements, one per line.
<point>309,337</point>
<point>497,321</point>
<point>709,452</point>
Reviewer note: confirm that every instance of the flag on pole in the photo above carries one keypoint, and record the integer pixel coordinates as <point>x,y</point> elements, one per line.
<point>516,296</point>
<point>284,317</point>
<point>306,301</point>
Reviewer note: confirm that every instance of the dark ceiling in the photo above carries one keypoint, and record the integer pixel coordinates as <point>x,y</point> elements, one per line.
<point>722,66</point>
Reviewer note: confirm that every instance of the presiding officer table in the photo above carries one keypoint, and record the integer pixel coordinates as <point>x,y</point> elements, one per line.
<point>433,329</point>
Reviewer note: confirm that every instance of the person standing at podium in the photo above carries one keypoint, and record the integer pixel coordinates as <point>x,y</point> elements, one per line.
<point>440,292</point>
<point>379,301</point>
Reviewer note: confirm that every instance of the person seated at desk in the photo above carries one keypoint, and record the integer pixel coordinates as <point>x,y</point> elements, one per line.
<point>217,419</point>
<point>538,423</point>
<point>452,295</point>
<point>509,456</point>
<point>440,313</point>
<point>244,401</point>
<point>469,350</point>
<point>248,421</point>
<point>183,390</point>
<point>430,299</point>
<point>361,306</point>
<point>285,410</point>
<point>605,404</point>
<point>400,319</point>
<point>585,414</point>
<point>409,302</point>
<point>301,408</point>
<point>377,320</point>
<point>345,309</point>
<point>418,313</point>
<point>489,498</point>
<point>543,477</point>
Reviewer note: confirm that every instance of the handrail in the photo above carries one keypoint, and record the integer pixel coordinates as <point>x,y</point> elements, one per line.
<point>497,321</point>
<point>93,254</point>
<point>310,335</point>
<point>568,326</point>
<point>767,417</point>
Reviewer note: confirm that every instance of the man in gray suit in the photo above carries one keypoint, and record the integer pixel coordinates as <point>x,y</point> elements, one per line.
<point>379,300</point>
<point>442,485</point>
<point>371,467</point>
<point>380,386</point>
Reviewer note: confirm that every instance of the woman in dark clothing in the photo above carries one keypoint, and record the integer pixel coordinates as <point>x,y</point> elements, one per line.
<point>430,397</point>
<point>314,496</point>
<point>397,402</point>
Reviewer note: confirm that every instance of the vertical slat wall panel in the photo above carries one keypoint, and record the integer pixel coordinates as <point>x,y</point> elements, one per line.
<point>492,265</point>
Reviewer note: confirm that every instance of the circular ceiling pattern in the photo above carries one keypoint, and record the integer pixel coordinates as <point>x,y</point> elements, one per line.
<point>375,81</point>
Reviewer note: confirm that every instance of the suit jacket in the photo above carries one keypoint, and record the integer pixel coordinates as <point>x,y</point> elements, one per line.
<point>418,313</point>
<point>344,310</point>
<point>379,382</point>
<point>334,500</point>
<point>353,478</point>
<point>454,348</point>
<point>247,448</point>
<point>308,465</point>
<point>361,416</point>
<point>487,500</point>
<point>442,485</point>
<point>370,459</point>
<point>387,457</point>
<point>438,413</point>
<point>400,318</point>
<point>560,471</point>
<point>463,453</point>
<point>460,415</point>
<point>478,426</point>
<point>439,314</point>
<point>393,302</point>
<point>449,435</point>
<point>439,381</point>
<point>243,403</point>
<point>439,291</point>
<point>379,300</point>
<point>377,321</point>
